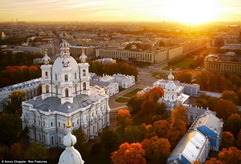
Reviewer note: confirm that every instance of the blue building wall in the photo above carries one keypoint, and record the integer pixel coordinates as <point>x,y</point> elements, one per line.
<point>184,160</point>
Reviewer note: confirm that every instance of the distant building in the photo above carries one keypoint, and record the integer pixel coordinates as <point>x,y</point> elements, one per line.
<point>39,49</point>
<point>140,56</point>
<point>30,87</point>
<point>223,63</point>
<point>124,81</point>
<point>106,60</point>
<point>204,135</point>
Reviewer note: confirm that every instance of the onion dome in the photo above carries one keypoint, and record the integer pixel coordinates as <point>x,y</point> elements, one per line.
<point>70,155</point>
<point>170,76</point>
<point>46,58</point>
<point>83,57</point>
<point>170,86</point>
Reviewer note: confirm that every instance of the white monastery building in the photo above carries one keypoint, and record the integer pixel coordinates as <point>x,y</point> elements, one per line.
<point>66,93</point>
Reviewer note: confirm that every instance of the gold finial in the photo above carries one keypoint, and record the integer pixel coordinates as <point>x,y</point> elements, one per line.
<point>65,51</point>
<point>45,49</point>
<point>83,46</point>
<point>68,124</point>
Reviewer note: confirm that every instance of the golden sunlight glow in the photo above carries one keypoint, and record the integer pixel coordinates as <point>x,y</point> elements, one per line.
<point>191,11</point>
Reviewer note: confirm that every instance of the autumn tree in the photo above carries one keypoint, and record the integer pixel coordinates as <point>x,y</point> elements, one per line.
<point>147,107</point>
<point>129,154</point>
<point>36,151</point>
<point>230,95</point>
<point>178,125</point>
<point>179,113</point>
<point>16,151</point>
<point>225,108</point>
<point>213,161</point>
<point>227,140</point>
<point>147,131</point>
<point>123,118</point>
<point>230,155</point>
<point>161,127</point>
<point>157,149</point>
<point>238,141</point>
<point>236,80</point>
<point>238,93</point>
<point>184,76</point>
<point>155,93</point>
<point>233,124</point>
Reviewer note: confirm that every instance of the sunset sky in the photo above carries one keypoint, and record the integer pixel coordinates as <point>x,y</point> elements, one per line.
<point>187,11</point>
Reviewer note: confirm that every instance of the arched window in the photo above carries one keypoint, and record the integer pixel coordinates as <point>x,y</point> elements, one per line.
<point>66,92</point>
<point>46,75</point>
<point>66,78</point>
<point>47,88</point>
<point>52,140</point>
<point>52,124</point>
<point>75,75</point>
<point>56,77</point>
<point>84,86</point>
<point>84,72</point>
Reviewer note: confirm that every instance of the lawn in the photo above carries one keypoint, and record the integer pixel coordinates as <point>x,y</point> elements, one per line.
<point>132,93</point>
<point>122,100</point>
<point>184,64</point>
<point>158,75</point>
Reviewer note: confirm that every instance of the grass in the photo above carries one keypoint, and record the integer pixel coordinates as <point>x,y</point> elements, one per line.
<point>122,100</point>
<point>158,75</point>
<point>132,93</point>
<point>185,64</point>
<point>168,67</point>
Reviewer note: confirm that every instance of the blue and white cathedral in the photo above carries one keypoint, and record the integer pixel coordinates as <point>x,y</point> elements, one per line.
<point>66,93</point>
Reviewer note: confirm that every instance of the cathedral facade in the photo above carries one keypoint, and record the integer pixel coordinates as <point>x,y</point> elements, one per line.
<point>66,94</point>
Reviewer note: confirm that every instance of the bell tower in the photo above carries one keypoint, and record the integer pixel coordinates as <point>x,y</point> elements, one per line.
<point>84,74</point>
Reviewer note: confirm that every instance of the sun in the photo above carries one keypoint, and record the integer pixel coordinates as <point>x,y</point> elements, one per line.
<point>191,11</point>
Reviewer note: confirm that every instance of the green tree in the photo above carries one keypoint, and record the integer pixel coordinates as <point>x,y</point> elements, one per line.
<point>110,139</point>
<point>133,134</point>
<point>36,151</point>
<point>14,105</point>
<point>11,127</point>
<point>82,138</point>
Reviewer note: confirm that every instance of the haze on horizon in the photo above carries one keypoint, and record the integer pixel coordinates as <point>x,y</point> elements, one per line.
<point>185,11</point>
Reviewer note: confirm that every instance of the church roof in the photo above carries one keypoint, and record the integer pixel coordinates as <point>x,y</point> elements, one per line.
<point>54,103</point>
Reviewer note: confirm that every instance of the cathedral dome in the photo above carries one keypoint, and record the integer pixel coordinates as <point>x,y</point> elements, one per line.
<point>58,64</point>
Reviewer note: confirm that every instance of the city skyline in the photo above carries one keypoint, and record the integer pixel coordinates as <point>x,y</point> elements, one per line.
<point>184,11</point>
